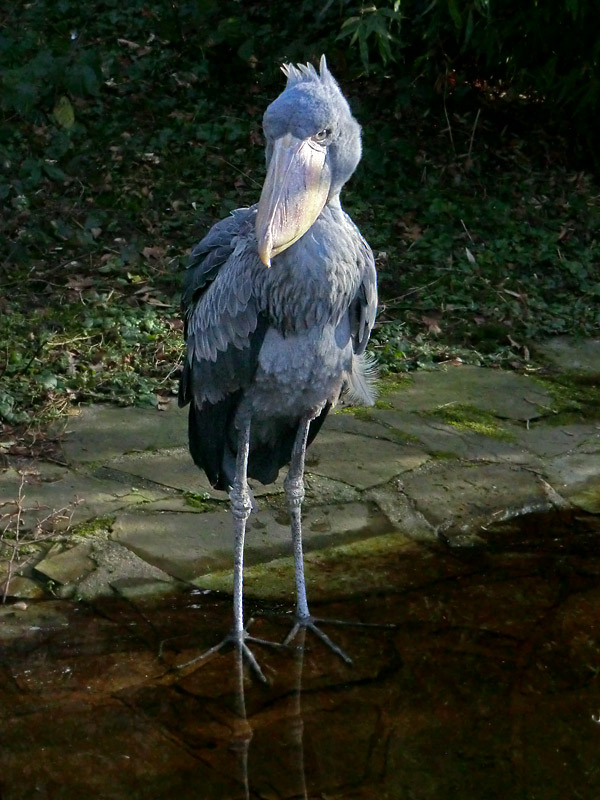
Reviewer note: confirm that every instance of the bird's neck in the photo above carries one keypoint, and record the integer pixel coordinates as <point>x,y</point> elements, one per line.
<point>334,202</point>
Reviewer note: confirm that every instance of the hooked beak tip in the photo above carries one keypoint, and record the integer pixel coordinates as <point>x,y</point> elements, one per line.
<point>264,253</point>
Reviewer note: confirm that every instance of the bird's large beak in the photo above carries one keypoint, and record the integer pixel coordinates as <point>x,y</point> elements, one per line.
<point>293,195</point>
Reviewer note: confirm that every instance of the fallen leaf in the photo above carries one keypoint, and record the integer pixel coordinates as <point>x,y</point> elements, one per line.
<point>79,282</point>
<point>129,43</point>
<point>412,231</point>
<point>145,297</point>
<point>433,325</point>
<point>163,401</point>
<point>518,295</point>
<point>153,253</point>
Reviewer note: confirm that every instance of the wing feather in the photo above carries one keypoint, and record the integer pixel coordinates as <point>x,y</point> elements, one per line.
<point>364,306</point>
<point>224,331</point>
<point>361,387</point>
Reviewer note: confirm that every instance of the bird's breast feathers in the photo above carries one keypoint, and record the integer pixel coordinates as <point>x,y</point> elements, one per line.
<point>313,283</point>
<point>299,371</point>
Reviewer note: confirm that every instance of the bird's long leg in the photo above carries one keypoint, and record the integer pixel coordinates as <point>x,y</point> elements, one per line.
<point>240,498</point>
<point>241,508</point>
<point>294,489</point>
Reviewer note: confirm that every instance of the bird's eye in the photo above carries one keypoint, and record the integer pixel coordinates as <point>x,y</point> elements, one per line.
<point>323,135</point>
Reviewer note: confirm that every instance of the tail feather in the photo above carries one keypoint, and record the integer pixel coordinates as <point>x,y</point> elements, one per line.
<point>267,458</point>
<point>212,443</point>
<point>361,386</point>
<point>207,435</point>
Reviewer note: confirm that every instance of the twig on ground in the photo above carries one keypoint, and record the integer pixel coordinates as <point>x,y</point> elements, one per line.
<point>44,529</point>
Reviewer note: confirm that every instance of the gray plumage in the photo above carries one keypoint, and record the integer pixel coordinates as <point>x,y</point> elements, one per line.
<point>270,347</point>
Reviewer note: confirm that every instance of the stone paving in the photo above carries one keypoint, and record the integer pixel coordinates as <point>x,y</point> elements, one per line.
<point>139,518</point>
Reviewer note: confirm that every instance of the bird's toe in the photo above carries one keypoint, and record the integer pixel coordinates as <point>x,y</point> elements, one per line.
<point>309,624</point>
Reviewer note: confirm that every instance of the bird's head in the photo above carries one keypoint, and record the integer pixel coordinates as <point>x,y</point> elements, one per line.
<point>313,147</point>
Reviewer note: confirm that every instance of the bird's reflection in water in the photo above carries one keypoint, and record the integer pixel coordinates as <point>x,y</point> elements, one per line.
<point>291,733</point>
<point>241,732</point>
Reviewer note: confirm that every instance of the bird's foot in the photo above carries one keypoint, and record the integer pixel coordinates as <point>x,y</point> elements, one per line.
<point>309,623</point>
<point>239,639</point>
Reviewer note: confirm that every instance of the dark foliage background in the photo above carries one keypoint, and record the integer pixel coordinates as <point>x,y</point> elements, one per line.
<point>126,129</point>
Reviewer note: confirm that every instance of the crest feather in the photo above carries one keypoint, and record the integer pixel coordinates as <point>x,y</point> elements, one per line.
<point>300,73</point>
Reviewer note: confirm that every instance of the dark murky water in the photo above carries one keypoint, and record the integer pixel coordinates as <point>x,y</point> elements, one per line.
<point>488,687</point>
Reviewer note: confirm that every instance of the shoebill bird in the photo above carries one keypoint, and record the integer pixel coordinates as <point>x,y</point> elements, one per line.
<point>279,302</point>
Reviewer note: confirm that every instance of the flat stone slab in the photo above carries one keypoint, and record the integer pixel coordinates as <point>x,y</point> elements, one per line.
<point>457,498</point>
<point>443,441</point>
<point>360,461</point>
<point>548,441</point>
<point>587,497</point>
<point>169,467</point>
<point>570,354</point>
<point>507,395</point>
<point>189,545</point>
<point>363,422</point>
<point>67,497</point>
<point>100,433</point>
<point>400,509</point>
<point>321,490</point>
<point>576,476</point>
<point>173,468</point>
<point>118,569</point>
<point>21,587</point>
<point>67,566</point>
<point>573,469</point>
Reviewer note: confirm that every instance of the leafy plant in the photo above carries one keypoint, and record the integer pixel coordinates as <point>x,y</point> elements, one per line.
<point>373,28</point>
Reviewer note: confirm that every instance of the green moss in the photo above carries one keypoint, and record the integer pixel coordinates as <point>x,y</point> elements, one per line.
<point>366,565</point>
<point>444,455</point>
<point>402,437</point>
<point>93,526</point>
<point>200,501</point>
<point>575,396</point>
<point>366,413</point>
<point>587,498</point>
<point>359,412</point>
<point>392,383</point>
<point>470,418</point>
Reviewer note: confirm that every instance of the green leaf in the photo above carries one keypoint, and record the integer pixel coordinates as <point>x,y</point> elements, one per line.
<point>82,80</point>
<point>48,380</point>
<point>469,27</point>
<point>63,113</point>
<point>455,13</point>
<point>90,80</point>
<point>53,172</point>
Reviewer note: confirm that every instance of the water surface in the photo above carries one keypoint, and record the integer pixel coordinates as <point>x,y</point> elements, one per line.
<point>487,687</point>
